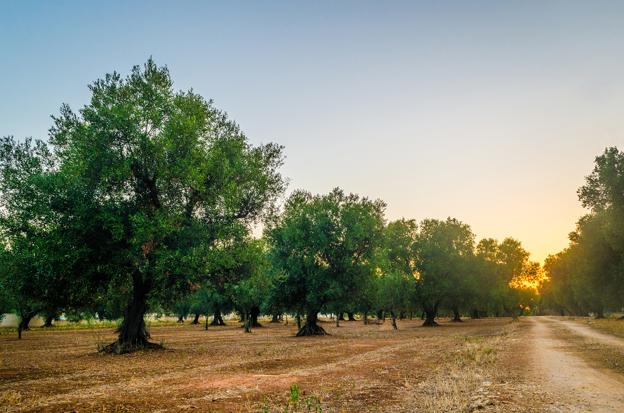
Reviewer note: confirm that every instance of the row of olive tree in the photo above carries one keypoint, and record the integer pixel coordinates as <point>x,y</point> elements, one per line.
<point>144,200</point>
<point>335,252</point>
<point>588,276</point>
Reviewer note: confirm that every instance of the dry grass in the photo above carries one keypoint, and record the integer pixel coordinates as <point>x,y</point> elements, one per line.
<point>463,381</point>
<point>358,368</point>
<point>607,325</point>
<point>85,325</point>
<point>598,354</point>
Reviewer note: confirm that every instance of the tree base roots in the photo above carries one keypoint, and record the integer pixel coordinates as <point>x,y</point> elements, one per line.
<point>314,330</point>
<point>255,325</point>
<point>430,323</point>
<point>457,320</point>
<point>123,348</point>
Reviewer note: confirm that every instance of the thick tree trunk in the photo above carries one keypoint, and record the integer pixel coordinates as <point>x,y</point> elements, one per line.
<point>380,316</point>
<point>337,321</point>
<point>275,318</point>
<point>365,316</point>
<point>196,319</point>
<point>255,312</point>
<point>48,321</point>
<point>180,319</point>
<point>133,334</point>
<point>430,315</point>
<point>456,315</point>
<point>24,323</point>
<point>298,318</point>
<point>310,328</point>
<point>351,317</point>
<point>402,315</point>
<point>475,314</point>
<point>206,323</point>
<point>600,314</point>
<point>217,320</point>
<point>248,323</point>
<point>394,323</point>
<point>341,316</point>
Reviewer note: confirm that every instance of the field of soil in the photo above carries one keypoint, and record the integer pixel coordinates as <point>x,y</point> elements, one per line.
<point>495,365</point>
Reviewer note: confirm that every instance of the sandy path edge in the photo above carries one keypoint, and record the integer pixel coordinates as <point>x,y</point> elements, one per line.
<point>583,387</point>
<point>589,332</point>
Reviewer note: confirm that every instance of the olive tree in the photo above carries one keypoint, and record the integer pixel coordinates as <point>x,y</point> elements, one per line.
<point>154,176</point>
<point>323,246</point>
<point>443,247</point>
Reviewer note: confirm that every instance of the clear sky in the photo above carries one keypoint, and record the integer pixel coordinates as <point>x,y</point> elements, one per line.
<point>491,112</point>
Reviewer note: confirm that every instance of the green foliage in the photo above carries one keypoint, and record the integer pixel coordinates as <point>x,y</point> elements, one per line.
<point>142,181</point>
<point>396,275</point>
<point>144,200</point>
<point>588,276</point>
<point>444,251</point>
<point>322,246</point>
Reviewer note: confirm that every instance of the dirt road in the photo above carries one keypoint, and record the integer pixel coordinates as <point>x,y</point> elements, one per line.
<point>581,386</point>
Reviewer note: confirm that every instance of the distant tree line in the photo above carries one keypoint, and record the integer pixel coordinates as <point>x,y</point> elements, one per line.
<point>145,199</point>
<point>588,276</point>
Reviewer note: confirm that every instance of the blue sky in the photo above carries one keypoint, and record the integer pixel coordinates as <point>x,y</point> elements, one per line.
<point>491,112</point>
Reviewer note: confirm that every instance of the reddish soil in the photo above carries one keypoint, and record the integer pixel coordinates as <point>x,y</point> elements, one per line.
<point>492,365</point>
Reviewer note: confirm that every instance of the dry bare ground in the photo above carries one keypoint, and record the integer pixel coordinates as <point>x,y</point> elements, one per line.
<point>580,362</point>
<point>478,365</point>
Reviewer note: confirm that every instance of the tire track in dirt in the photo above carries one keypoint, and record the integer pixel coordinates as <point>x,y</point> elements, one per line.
<point>226,387</point>
<point>590,333</point>
<point>581,387</point>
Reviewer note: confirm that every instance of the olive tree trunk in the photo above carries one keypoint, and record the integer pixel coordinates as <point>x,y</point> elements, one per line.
<point>217,320</point>
<point>248,323</point>
<point>24,323</point>
<point>430,312</point>
<point>456,315</point>
<point>311,328</point>
<point>253,314</point>
<point>133,334</point>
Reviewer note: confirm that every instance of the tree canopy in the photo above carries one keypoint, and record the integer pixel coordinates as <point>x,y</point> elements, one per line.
<point>322,245</point>
<point>138,182</point>
<point>588,276</point>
